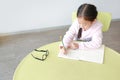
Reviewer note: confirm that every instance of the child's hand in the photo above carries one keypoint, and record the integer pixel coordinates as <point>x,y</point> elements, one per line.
<point>74,46</point>
<point>63,50</point>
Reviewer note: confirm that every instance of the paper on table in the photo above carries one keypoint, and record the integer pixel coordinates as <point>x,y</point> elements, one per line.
<point>91,55</point>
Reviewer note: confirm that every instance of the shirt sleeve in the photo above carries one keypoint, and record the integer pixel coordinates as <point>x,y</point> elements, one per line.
<point>70,34</point>
<point>96,41</point>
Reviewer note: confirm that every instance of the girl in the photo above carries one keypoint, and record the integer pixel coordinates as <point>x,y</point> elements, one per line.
<point>85,29</point>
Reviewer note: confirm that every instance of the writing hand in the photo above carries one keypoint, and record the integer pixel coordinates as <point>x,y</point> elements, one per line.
<point>63,50</point>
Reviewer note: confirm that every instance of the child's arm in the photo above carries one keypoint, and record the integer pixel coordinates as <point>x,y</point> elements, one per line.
<point>70,34</point>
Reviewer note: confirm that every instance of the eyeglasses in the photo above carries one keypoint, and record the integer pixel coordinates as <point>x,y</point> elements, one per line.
<point>44,56</point>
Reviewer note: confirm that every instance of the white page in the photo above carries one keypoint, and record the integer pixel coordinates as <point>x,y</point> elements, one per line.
<point>91,55</point>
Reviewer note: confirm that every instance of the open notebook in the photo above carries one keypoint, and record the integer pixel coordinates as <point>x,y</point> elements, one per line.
<point>91,55</point>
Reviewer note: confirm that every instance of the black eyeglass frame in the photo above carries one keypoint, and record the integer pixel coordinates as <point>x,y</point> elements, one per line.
<point>44,56</point>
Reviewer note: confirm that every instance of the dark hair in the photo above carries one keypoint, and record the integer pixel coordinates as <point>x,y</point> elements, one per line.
<point>87,11</point>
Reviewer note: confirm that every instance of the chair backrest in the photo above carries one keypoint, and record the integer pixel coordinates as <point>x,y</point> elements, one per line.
<point>103,17</point>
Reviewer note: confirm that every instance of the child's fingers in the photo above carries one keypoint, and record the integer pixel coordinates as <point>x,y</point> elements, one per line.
<point>61,47</point>
<point>76,45</point>
<point>63,50</point>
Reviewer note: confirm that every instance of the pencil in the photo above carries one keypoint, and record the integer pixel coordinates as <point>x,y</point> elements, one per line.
<point>63,45</point>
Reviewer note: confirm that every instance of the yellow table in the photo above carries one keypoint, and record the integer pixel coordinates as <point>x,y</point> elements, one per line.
<point>55,68</point>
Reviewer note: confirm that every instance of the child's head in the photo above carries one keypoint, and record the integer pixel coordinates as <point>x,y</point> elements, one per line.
<point>86,14</point>
<point>87,11</point>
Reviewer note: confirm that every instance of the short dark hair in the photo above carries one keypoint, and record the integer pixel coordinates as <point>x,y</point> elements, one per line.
<point>87,11</point>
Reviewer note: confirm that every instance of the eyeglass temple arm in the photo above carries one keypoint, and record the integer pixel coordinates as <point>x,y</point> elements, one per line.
<point>40,50</point>
<point>37,58</point>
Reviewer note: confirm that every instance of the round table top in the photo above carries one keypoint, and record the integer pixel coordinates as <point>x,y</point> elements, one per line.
<point>55,68</point>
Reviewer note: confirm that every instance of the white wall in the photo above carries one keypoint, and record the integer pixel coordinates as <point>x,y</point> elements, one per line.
<point>20,15</point>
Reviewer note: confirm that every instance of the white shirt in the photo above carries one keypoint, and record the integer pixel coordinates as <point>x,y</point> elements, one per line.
<point>93,35</point>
